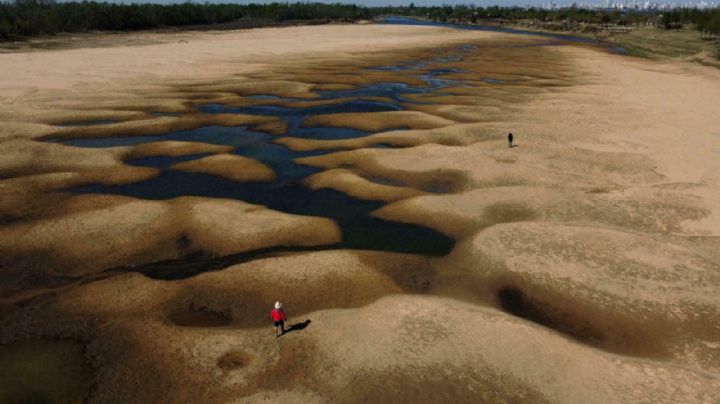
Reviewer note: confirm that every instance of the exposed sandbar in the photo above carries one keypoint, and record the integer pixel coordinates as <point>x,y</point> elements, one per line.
<point>380,120</point>
<point>165,124</point>
<point>352,184</point>
<point>134,232</point>
<point>230,166</point>
<point>174,148</point>
<point>453,135</point>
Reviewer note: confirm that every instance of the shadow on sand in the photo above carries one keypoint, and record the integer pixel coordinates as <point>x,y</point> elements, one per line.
<point>298,326</point>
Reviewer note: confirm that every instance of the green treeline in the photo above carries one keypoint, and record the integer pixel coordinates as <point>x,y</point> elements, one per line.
<point>38,17</point>
<point>22,18</point>
<point>707,21</point>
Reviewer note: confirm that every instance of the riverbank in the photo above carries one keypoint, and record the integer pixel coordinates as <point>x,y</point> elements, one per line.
<point>640,41</point>
<point>649,42</point>
<point>96,39</point>
<point>584,261</point>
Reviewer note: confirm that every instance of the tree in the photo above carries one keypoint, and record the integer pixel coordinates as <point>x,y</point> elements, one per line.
<point>605,20</point>
<point>636,19</point>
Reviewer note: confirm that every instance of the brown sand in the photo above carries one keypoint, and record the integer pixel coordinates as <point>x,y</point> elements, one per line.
<point>174,148</point>
<point>451,135</point>
<point>95,235</point>
<point>587,261</point>
<point>230,166</point>
<point>164,124</point>
<point>352,184</point>
<point>54,74</point>
<point>380,120</point>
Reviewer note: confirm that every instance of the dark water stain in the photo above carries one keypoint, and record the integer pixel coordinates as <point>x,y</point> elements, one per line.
<point>200,316</point>
<point>446,59</point>
<point>445,71</point>
<point>385,181</point>
<point>220,135</point>
<point>290,111</point>
<point>263,97</point>
<point>534,44</point>
<point>491,80</point>
<point>161,113</point>
<point>234,360</point>
<point>44,371</point>
<point>387,68</point>
<point>197,262</point>
<point>87,123</point>
<point>437,188</point>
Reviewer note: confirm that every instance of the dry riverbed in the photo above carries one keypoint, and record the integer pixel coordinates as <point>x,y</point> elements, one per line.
<point>585,262</point>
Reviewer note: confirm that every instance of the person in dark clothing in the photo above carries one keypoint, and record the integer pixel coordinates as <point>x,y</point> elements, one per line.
<point>510,139</point>
<point>278,316</point>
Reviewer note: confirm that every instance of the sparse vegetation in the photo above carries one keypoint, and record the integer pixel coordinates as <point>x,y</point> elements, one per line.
<point>653,42</point>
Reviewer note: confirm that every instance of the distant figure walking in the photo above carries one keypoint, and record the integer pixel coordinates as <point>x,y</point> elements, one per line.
<point>278,316</point>
<point>510,140</point>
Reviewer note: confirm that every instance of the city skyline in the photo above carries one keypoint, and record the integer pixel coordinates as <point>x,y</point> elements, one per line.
<point>630,4</point>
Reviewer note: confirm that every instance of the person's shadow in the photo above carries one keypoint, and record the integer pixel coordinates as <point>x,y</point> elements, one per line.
<point>298,326</point>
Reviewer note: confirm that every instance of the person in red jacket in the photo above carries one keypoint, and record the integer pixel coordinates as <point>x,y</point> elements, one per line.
<point>278,316</point>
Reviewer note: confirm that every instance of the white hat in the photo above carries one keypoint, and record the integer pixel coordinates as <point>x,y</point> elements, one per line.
<point>278,305</point>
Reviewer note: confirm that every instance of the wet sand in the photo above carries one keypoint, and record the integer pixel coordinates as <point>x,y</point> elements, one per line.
<point>586,261</point>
